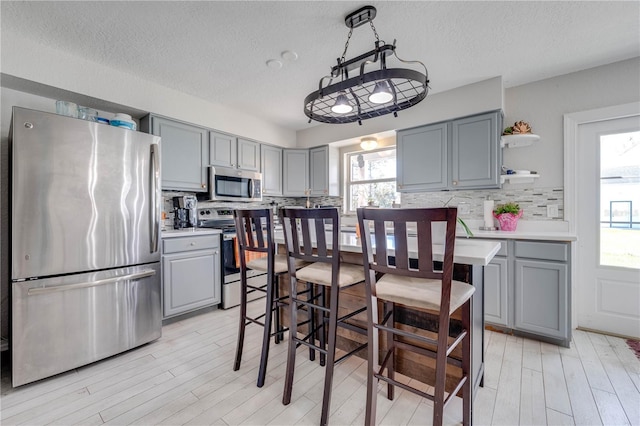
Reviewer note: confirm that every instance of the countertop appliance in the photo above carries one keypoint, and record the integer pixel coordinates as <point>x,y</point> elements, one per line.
<point>185,212</point>
<point>227,184</point>
<point>223,219</point>
<point>85,254</point>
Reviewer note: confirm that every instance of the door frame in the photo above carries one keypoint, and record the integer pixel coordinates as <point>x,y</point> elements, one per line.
<point>571,123</point>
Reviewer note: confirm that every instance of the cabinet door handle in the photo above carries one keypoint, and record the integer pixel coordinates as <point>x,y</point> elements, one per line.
<point>192,244</point>
<point>454,183</point>
<point>216,252</point>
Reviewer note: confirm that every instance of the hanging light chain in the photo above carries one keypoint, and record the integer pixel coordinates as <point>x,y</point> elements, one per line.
<point>346,46</point>
<point>375,33</point>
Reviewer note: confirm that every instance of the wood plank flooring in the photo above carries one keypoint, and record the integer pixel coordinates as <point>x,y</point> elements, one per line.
<point>186,378</point>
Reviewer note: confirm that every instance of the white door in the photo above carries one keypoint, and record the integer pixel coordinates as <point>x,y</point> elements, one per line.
<point>608,226</point>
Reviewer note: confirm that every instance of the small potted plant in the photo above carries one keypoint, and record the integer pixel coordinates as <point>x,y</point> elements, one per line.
<point>507,215</point>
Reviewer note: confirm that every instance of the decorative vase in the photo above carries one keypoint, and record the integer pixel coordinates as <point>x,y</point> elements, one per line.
<point>508,221</point>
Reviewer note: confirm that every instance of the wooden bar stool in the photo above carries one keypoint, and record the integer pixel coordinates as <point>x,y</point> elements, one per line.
<point>417,286</point>
<point>254,229</point>
<point>306,240</point>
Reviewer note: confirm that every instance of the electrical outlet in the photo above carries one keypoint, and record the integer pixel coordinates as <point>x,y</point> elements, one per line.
<point>552,210</point>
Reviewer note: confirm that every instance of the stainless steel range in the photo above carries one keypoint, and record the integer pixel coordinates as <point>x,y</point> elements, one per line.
<point>223,219</point>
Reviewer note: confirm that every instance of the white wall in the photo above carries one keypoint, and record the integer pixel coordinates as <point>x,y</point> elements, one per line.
<point>43,65</point>
<point>543,103</point>
<point>483,96</point>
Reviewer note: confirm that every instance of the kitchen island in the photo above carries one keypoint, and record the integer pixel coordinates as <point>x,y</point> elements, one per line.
<point>470,257</point>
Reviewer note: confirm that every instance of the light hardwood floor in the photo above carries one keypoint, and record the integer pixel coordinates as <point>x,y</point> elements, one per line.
<point>186,377</point>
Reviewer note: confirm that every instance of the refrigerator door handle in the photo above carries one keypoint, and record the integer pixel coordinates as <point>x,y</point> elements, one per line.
<point>128,277</point>
<point>155,186</point>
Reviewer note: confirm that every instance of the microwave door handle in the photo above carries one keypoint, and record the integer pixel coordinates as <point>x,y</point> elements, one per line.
<point>251,188</point>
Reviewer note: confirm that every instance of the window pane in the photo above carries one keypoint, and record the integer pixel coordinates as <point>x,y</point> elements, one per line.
<point>381,194</point>
<point>373,165</point>
<point>620,200</point>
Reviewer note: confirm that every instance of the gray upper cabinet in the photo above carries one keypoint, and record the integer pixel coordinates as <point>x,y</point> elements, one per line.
<point>295,172</point>
<point>476,154</point>
<point>229,151</point>
<point>223,150</point>
<point>248,155</point>
<point>185,149</point>
<point>422,158</point>
<point>461,153</point>
<point>271,170</point>
<point>324,171</point>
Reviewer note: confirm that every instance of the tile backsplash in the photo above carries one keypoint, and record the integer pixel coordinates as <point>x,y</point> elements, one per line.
<point>533,201</point>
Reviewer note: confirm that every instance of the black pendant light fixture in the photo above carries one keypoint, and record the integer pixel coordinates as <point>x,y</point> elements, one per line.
<point>377,91</point>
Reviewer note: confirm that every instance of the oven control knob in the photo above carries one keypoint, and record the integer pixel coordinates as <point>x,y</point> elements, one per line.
<point>202,213</point>
<point>208,211</point>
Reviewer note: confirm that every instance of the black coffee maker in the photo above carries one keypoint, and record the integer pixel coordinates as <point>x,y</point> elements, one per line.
<point>184,212</point>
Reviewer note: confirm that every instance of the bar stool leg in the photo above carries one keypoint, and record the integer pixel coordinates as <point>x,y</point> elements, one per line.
<point>466,365</point>
<point>266,335</point>
<point>389,308</point>
<point>291,352</point>
<point>275,307</point>
<point>312,320</point>
<point>441,372</point>
<point>372,361</point>
<point>331,355</point>
<point>323,328</point>
<point>242,325</point>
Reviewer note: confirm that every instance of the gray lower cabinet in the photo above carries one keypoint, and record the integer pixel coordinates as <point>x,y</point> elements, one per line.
<point>191,277</point>
<point>271,170</point>
<point>496,301</point>
<point>184,153</point>
<point>541,297</point>
<point>295,172</point>
<point>458,154</point>
<point>527,289</point>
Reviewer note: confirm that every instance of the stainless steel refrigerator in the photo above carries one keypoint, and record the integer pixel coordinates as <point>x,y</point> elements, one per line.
<point>85,257</point>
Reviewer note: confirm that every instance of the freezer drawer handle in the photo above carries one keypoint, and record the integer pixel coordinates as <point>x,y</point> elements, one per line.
<point>128,277</point>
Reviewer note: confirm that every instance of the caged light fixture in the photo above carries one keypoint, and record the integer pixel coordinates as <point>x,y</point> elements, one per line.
<point>346,99</point>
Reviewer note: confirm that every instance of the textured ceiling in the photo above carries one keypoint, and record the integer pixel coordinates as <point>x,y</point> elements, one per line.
<point>217,50</point>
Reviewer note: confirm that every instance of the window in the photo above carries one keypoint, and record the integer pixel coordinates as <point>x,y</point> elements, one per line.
<point>371,179</point>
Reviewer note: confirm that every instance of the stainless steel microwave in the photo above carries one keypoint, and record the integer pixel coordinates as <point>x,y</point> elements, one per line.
<point>226,184</point>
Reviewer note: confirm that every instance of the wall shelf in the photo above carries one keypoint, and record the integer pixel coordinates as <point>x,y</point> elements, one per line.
<point>517,141</point>
<point>519,178</point>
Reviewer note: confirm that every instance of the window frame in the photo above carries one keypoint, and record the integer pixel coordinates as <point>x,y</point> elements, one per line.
<point>349,182</point>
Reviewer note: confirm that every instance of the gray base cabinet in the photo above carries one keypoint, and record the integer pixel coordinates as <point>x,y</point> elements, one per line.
<point>185,151</point>
<point>541,296</point>
<point>458,154</point>
<point>496,301</point>
<point>190,273</point>
<point>527,289</point>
